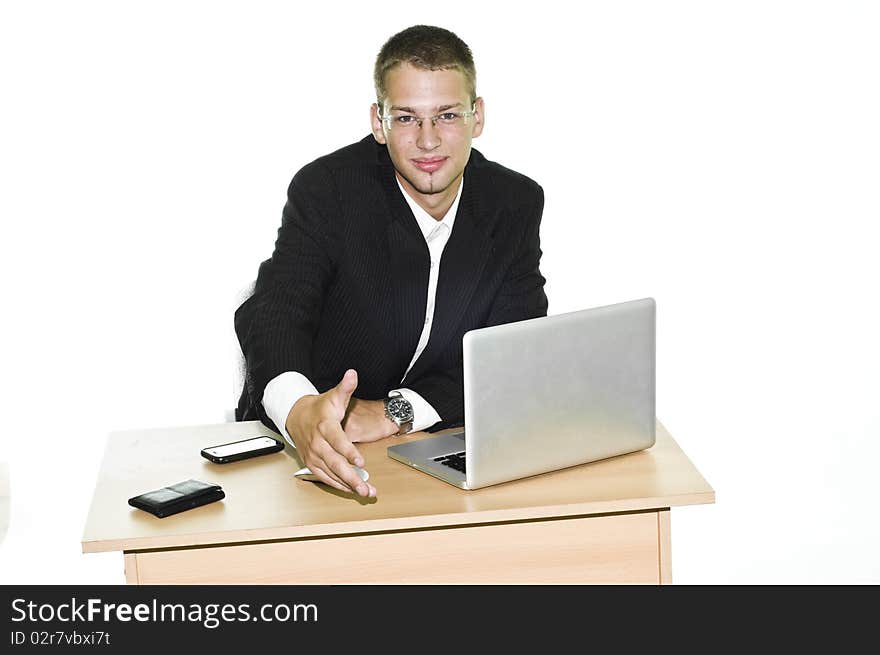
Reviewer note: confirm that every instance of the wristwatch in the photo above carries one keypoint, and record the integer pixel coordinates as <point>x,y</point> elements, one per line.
<point>399,410</point>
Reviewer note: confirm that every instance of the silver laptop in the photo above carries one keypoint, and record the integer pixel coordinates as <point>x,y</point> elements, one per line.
<point>548,393</point>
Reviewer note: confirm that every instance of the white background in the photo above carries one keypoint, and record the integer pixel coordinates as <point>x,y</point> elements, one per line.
<point>721,157</point>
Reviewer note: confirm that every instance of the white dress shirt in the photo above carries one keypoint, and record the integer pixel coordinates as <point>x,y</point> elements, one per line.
<point>284,390</point>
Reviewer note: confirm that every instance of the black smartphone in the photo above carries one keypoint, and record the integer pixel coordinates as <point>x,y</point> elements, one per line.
<point>237,450</point>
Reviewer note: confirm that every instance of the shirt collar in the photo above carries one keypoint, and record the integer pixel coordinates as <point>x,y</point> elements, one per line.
<point>427,223</point>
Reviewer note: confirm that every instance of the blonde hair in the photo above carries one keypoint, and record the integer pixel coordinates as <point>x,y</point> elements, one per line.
<point>426,47</point>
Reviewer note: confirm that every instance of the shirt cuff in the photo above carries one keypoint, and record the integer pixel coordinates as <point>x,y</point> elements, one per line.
<point>281,395</point>
<point>424,416</point>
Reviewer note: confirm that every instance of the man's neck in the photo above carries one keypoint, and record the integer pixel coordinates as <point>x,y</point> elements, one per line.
<point>436,204</point>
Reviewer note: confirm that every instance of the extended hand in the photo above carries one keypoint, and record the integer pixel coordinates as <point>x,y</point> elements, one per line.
<point>366,421</point>
<point>315,425</point>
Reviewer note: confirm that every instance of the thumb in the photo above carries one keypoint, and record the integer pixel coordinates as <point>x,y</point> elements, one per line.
<point>342,391</point>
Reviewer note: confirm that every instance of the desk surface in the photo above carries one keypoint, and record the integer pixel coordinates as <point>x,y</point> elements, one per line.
<point>265,502</point>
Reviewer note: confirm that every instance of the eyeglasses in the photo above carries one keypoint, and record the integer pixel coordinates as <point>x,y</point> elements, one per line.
<point>450,120</point>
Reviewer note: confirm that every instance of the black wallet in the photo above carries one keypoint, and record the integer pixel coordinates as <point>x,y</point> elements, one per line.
<point>177,498</point>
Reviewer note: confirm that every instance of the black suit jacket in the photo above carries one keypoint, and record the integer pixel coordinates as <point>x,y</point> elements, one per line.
<point>346,286</point>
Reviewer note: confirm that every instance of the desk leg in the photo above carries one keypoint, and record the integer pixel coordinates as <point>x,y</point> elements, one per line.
<point>131,571</point>
<point>664,545</point>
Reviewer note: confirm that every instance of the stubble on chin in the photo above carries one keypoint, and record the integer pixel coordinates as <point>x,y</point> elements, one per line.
<point>431,184</point>
<point>426,187</point>
<point>423,185</point>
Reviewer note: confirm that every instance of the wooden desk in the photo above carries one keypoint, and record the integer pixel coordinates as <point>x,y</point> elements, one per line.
<point>603,522</point>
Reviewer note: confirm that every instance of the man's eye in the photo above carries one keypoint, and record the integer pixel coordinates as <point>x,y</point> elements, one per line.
<point>405,120</point>
<point>448,116</point>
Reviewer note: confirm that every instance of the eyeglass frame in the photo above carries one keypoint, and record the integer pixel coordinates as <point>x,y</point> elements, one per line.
<point>419,119</point>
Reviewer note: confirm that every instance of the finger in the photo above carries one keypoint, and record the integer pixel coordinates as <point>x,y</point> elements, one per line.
<point>370,492</point>
<point>325,467</point>
<point>342,391</point>
<point>334,482</point>
<point>343,470</point>
<point>328,479</point>
<point>335,436</point>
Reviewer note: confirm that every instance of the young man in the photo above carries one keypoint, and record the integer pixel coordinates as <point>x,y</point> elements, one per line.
<point>389,250</point>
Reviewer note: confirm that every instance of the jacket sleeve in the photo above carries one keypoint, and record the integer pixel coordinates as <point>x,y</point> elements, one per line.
<point>277,324</point>
<point>521,296</point>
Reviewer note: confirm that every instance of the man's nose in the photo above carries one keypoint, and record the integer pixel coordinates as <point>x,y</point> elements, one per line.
<point>429,135</point>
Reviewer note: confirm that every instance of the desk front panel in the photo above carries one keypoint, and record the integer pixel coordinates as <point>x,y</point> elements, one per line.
<point>613,548</point>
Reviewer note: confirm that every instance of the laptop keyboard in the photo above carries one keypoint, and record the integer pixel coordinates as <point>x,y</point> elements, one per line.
<point>454,461</point>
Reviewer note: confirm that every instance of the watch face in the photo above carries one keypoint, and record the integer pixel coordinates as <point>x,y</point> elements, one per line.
<point>400,409</point>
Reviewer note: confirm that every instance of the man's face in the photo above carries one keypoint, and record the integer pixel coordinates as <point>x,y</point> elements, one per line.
<point>429,159</point>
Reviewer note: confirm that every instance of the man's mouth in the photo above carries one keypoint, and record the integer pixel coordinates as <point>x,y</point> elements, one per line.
<point>429,164</point>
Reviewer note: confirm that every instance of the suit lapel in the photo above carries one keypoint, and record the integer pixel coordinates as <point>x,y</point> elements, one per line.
<point>408,264</point>
<point>461,268</point>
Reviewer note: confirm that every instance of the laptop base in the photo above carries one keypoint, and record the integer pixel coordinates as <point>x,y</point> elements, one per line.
<point>421,454</point>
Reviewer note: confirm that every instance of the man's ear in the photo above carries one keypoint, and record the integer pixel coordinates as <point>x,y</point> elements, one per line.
<point>376,124</point>
<point>479,117</point>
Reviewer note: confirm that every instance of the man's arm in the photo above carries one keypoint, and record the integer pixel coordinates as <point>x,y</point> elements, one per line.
<point>277,324</point>
<point>281,395</point>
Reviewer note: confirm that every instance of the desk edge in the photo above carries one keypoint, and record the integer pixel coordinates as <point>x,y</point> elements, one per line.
<point>434,521</point>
